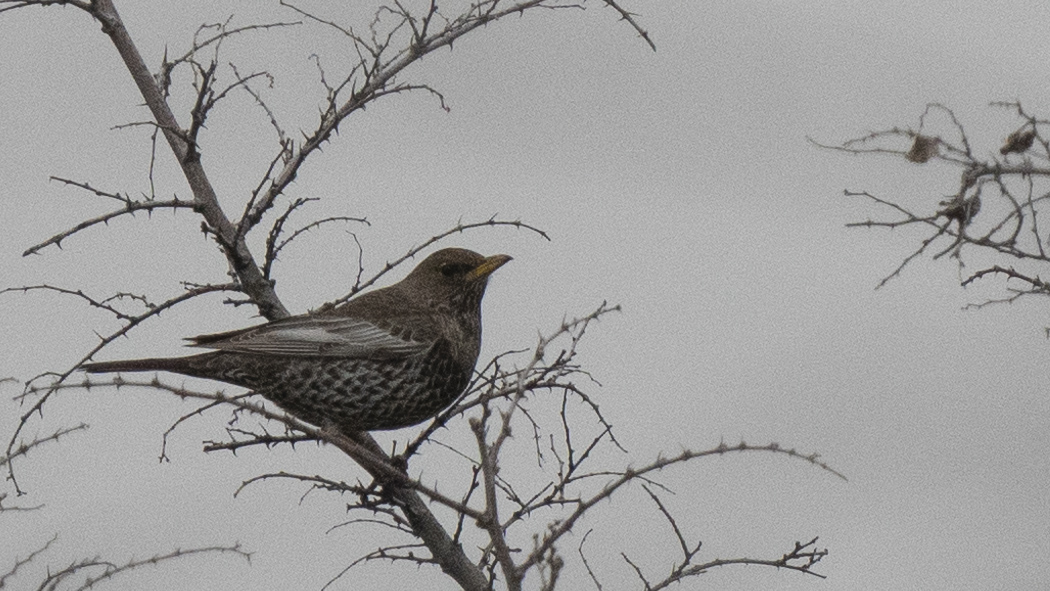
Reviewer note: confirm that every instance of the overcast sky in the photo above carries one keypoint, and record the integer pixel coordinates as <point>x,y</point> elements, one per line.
<point>677,183</point>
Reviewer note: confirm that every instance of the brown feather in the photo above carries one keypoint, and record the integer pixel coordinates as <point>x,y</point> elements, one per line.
<point>388,358</point>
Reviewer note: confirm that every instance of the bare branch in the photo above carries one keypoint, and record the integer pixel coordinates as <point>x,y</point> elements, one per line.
<point>995,205</point>
<point>629,17</point>
<point>205,200</point>
<point>586,565</point>
<point>266,440</point>
<point>23,448</point>
<point>111,570</point>
<point>130,322</point>
<point>317,482</point>
<point>583,505</point>
<point>380,62</point>
<point>801,558</point>
<point>391,553</point>
<point>130,207</point>
<point>273,243</point>
<point>490,517</point>
<point>223,32</point>
<point>20,562</point>
<point>687,552</point>
<point>84,5</point>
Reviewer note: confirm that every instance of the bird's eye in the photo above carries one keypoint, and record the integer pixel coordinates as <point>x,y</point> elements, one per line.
<point>450,269</point>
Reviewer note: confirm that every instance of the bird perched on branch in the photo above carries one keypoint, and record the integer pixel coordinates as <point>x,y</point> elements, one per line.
<point>386,359</point>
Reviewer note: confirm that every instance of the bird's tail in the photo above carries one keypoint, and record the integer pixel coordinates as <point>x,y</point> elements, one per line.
<point>158,364</point>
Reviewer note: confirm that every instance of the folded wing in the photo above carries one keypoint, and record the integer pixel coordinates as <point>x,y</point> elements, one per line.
<point>316,336</point>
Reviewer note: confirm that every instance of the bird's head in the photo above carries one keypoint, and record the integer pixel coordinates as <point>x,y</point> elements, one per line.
<point>455,276</point>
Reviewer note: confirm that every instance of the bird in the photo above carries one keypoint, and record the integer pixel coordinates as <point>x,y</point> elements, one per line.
<point>386,359</point>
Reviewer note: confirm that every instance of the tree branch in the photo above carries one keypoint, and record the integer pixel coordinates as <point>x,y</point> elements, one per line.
<point>205,200</point>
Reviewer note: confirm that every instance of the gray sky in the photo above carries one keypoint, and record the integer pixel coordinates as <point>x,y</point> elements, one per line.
<point>678,184</point>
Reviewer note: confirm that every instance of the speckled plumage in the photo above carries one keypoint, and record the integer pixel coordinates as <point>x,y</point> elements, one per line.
<point>386,359</point>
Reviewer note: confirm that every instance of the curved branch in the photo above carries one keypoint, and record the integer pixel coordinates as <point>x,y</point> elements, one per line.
<point>130,207</point>
<point>111,569</point>
<point>130,322</point>
<point>379,71</point>
<point>565,525</point>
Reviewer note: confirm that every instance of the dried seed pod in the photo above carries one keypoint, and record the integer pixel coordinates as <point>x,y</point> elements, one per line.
<point>1018,142</point>
<point>923,149</point>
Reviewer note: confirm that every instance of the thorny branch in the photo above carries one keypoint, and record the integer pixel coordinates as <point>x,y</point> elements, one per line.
<point>130,206</point>
<point>401,552</point>
<point>128,322</point>
<point>388,48</point>
<point>801,558</point>
<point>274,242</point>
<point>21,562</point>
<point>105,569</point>
<point>185,149</point>
<point>996,205</point>
<point>582,504</point>
<point>1036,286</point>
<point>24,447</point>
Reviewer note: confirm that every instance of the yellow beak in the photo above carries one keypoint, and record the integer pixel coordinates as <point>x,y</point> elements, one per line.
<point>487,266</point>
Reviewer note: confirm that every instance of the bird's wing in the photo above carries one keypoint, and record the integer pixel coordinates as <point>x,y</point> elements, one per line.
<point>316,335</point>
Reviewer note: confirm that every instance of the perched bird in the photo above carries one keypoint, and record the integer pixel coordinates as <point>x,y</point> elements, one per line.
<point>386,359</point>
